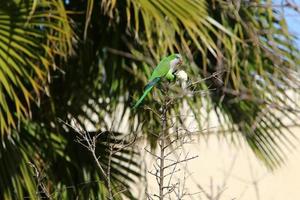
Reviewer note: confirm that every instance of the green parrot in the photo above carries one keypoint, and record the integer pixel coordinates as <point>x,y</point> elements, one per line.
<point>166,68</point>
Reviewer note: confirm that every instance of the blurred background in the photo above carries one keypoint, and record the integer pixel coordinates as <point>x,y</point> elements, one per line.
<point>71,70</point>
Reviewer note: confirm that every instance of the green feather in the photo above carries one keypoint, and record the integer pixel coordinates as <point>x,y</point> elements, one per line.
<point>148,88</point>
<point>152,83</point>
<point>162,70</point>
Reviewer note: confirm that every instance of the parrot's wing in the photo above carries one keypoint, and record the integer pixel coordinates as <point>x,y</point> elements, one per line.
<point>161,70</point>
<point>152,83</point>
<point>147,89</point>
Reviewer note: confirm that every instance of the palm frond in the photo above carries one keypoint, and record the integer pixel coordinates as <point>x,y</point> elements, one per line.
<point>31,35</point>
<point>256,86</point>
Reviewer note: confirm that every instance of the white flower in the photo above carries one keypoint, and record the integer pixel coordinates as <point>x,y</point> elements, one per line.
<point>182,75</point>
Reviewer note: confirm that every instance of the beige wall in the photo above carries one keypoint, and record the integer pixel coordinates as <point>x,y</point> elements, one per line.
<point>234,171</point>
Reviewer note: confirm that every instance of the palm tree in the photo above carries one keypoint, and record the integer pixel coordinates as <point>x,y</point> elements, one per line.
<point>36,37</point>
<point>88,61</point>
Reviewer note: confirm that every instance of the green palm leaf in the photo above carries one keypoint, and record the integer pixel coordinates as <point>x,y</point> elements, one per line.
<point>31,34</point>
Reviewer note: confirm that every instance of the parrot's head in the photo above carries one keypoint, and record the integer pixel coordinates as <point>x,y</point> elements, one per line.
<point>175,60</point>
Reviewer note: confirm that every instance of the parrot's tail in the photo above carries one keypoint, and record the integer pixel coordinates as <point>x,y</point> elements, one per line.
<point>147,89</point>
<point>142,97</point>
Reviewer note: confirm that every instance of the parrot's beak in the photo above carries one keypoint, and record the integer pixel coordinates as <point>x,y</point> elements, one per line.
<point>180,62</point>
